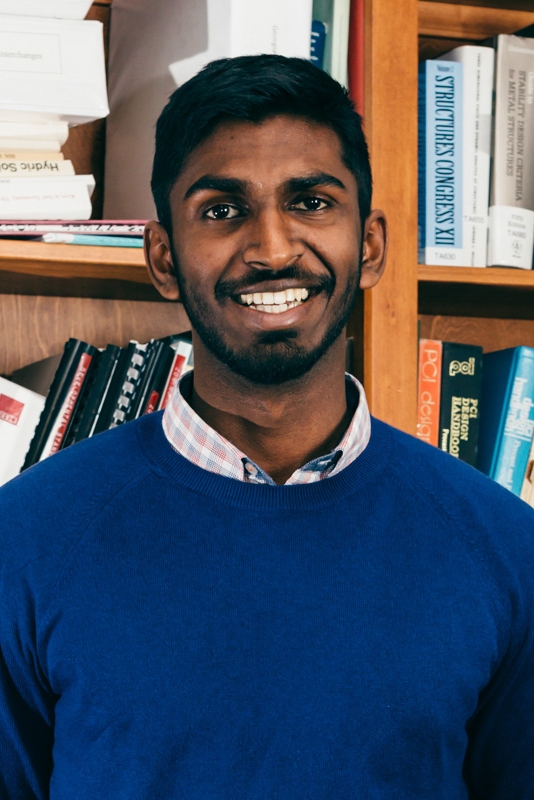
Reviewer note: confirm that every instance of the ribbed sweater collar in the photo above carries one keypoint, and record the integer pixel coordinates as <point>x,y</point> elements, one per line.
<point>165,461</point>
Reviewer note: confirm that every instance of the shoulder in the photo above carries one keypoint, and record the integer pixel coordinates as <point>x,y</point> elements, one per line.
<point>44,509</point>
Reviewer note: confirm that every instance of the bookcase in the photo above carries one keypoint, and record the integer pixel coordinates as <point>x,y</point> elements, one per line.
<point>51,292</point>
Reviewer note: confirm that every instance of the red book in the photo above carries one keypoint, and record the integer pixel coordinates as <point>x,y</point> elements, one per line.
<point>356,55</point>
<point>429,390</point>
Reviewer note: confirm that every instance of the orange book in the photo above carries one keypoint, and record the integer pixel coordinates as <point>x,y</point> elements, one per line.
<point>429,390</point>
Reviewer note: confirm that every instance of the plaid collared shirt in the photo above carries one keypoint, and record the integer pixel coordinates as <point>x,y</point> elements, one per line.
<point>193,439</point>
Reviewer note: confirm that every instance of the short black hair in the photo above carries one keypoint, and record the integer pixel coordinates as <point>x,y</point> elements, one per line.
<point>253,89</point>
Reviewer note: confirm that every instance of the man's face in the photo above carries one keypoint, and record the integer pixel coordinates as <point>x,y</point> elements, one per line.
<point>266,245</point>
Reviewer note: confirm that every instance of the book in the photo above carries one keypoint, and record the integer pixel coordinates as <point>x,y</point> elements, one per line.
<point>507,415</point>
<point>33,169</point>
<point>20,410</point>
<point>317,45</point>
<point>123,386</point>
<point>440,223</point>
<point>71,374</point>
<point>340,42</point>
<point>48,145</point>
<point>150,390</point>
<point>67,9</point>
<point>182,362</point>
<point>459,413</point>
<point>429,390</point>
<point>478,69</point>
<point>93,396</point>
<point>92,240</point>
<point>66,197</point>
<point>511,212</point>
<point>34,228</point>
<point>29,130</point>
<point>53,67</point>
<point>356,61</point>
<point>21,154</point>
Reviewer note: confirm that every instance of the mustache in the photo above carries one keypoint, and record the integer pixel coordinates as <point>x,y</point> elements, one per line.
<point>230,288</point>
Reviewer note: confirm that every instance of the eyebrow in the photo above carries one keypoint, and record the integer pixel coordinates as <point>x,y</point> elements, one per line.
<point>236,186</point>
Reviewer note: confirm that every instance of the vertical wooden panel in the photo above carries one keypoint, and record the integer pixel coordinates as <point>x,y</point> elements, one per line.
<point>390,309</point>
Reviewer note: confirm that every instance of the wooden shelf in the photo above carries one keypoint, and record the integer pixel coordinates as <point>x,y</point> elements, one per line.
<point>452,21</point>
<point>478,292</point>
<point>38,268</point>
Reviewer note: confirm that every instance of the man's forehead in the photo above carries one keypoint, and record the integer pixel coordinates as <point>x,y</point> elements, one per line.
<point>277,149</point>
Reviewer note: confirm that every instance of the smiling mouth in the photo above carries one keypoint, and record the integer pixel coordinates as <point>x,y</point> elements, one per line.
<point>274,302</point>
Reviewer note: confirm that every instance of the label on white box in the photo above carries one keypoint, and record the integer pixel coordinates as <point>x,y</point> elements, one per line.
<point>511,237</point>
<point>31,52</point>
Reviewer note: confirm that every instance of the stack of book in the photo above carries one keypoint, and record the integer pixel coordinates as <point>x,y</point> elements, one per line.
<point>52,76</point>
<point>108,233</point>
<point>64,399</point>
<point>466,218</point>
<point>480,409</point>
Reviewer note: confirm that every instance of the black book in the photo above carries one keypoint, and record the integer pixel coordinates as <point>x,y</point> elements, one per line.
<point>74,368</point>
<point>123,386</point>
<point>94,395</point>
<point>154,378</point>
<point>461,385</point>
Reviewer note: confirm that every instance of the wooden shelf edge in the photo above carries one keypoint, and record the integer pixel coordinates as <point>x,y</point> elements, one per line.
<point>64,261</point>
<point>450,20</point>
<point>482,276</point>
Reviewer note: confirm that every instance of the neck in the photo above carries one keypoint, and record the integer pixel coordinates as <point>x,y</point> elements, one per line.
<point>281,428</point>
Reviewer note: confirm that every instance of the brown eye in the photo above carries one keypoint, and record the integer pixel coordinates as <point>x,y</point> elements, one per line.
<point>310,204</point>
<point>222,211</point>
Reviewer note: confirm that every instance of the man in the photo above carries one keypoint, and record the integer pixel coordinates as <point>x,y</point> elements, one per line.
<point>262,593</point>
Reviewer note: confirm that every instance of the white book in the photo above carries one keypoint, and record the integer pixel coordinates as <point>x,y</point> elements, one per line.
<point>340,41</point>
<point>45,145</point>
<point>34,168</point>
<point>478,69</point>
<point>46,198</point>
<point>67,9</point>
<point>511,212</point>
<point>20,410</point>
<point>23,131</point>
<point>53,66</point>
<point>248,27</point>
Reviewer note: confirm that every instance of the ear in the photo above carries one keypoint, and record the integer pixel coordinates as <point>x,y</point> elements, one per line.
<point>159,262</point>
<point>374,251</point>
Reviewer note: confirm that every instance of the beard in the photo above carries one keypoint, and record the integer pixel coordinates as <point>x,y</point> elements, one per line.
<point>276,357</point>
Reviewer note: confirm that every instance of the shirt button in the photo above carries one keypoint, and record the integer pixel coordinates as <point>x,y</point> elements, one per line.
<point>251,469</point>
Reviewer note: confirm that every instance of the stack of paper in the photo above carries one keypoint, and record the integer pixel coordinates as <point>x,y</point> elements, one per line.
<point>52,76</point>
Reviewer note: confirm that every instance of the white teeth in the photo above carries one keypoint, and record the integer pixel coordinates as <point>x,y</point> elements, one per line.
<point>274,302</point>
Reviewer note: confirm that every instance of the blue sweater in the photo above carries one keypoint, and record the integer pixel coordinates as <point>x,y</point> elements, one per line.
<point>170,633</point>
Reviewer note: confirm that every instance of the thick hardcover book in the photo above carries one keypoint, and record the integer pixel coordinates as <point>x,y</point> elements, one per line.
<point>73,370</point>
<point>507,418</point>
<point>440,128</point>
<point>152,384</point>
<point>511,212</point>
<point>93,398</point>
<point>461,385</point>
<point>429,390</point>
<point>478,70</point>
<point>20,410</point>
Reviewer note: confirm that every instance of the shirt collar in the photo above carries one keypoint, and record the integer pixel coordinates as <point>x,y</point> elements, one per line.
<point>195,440</point>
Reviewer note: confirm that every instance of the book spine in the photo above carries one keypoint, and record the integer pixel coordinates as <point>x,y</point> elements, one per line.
<point>59,429</point>
<point>478,70</point>
<point>318,37</point>
<point>514,448</point>
<point>130,385</point>
<point>461,384</point>
<point>340,41</point>
<point>440,164</point>
<point>177,369</point>
<point>511,212</point>
<point>429,390</point>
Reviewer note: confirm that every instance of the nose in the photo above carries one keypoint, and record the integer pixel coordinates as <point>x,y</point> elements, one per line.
<point>271,244</point>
